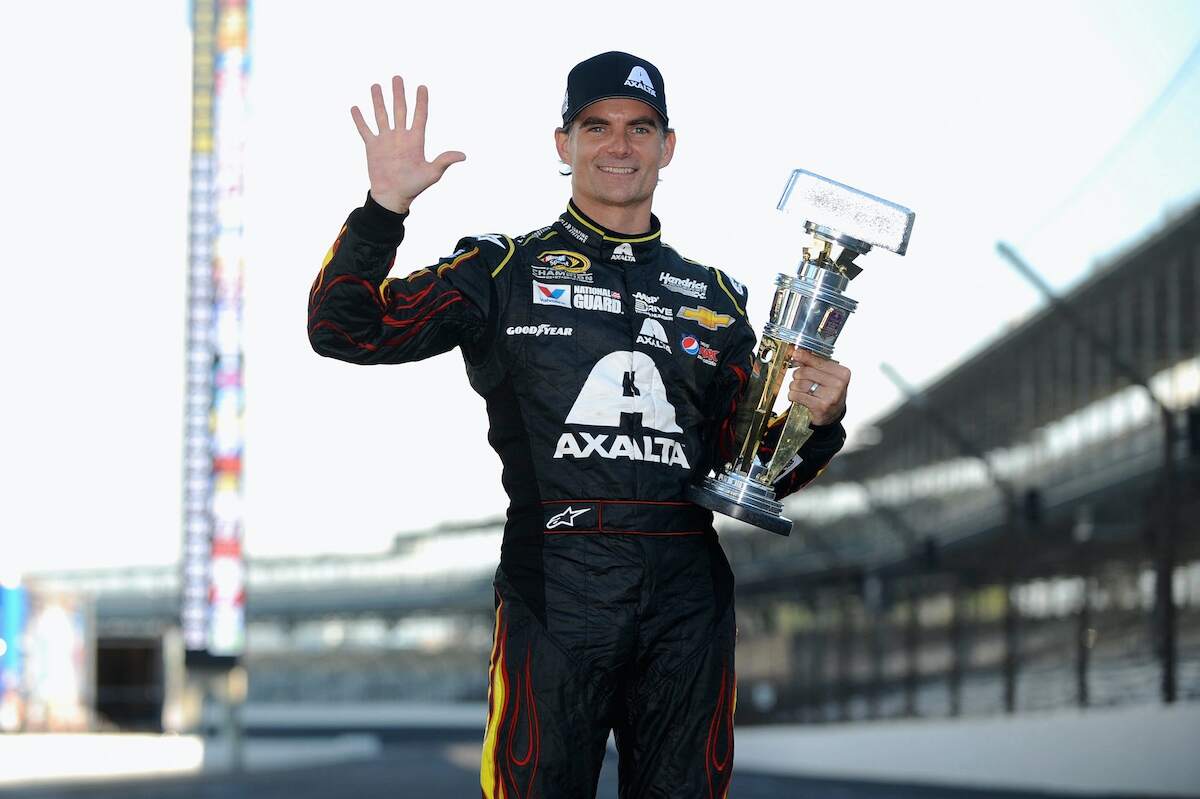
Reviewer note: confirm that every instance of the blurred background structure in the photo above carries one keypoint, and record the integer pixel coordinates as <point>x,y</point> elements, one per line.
<point>1012,533</point>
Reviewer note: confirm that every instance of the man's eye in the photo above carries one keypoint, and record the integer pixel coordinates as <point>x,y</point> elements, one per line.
<point>641,130</point>
<point>596,129</point>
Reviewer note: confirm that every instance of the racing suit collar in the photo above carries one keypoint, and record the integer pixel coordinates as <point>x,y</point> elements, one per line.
<point>599,242</point>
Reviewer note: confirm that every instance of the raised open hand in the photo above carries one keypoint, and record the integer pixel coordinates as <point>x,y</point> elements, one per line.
<point>396,161</point>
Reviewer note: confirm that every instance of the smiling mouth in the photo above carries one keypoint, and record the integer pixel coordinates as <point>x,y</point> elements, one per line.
<point>617,170</point>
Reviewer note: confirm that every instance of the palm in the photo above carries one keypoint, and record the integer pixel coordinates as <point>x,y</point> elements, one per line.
<point>396,162</point>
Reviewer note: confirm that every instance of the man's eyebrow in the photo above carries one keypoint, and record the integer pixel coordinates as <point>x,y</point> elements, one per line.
<point>646,121</point>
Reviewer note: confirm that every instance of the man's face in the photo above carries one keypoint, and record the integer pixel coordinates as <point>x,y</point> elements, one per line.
<point>615,149</point>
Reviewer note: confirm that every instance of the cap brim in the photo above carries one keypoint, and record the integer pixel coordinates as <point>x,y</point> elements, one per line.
<point>660,114</point>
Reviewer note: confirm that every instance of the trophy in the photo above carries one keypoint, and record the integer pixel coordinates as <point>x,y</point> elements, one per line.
<point>809,311</point>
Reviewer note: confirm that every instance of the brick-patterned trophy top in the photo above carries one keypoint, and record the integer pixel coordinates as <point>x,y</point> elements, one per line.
<point>809,311</point>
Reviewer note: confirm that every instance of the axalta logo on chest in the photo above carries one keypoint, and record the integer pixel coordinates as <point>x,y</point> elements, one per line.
<point>624,383</point>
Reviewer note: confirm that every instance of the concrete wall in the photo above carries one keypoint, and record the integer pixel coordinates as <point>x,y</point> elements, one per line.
<point>1147,750</point>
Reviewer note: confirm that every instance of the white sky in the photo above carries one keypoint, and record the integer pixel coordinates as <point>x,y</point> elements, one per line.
<point>980,118</point>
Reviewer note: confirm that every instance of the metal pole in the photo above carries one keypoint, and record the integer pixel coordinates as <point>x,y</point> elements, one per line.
<point>1010,645</point>
<point>956,649</point>
<point>912,635</point>
<point>1166,530</point>
<point>845,652</point>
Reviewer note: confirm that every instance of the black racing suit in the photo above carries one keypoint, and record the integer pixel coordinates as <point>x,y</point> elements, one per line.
<point>610,366</point>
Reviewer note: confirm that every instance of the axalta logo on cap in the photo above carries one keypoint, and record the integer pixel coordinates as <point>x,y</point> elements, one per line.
<point>640,79</point>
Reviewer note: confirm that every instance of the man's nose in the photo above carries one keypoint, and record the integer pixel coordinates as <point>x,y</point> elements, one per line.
<point>620,143</point>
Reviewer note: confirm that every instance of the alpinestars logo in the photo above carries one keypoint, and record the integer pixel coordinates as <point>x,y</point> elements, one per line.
<point>566,518</point>
<point>623,252</point>
<point>654,335</point>
<point>639,79</point>
<point>623,382</point>
<point>683,285</point>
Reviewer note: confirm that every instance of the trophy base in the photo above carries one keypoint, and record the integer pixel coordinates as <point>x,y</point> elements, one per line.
<point>741,498</point>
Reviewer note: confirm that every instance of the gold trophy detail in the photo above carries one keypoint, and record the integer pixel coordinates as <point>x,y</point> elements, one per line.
<point>809,311</point>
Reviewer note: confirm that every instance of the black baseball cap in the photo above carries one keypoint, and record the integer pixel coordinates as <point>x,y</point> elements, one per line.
<point>613,74</point>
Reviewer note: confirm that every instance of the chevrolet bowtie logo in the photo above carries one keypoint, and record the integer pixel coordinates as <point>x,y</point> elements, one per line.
<point>706,317</point>
<point>566,518</point>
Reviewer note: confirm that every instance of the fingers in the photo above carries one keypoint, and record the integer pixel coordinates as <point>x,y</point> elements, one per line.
<point>443,161</point>
<point>399,101</point>
<point>381,117</point>
<point>826,367</point>
<point>361,124</point>
<point>825,404</point>
<point>421,112</point>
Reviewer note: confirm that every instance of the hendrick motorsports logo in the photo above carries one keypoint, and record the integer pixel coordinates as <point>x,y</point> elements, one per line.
<point>683,285</point>
<point>539,330</point>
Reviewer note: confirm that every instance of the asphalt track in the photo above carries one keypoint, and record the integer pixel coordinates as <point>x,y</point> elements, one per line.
<point>444,770</point>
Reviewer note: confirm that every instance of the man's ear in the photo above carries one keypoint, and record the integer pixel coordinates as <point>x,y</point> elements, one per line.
<point>560,143</point>
<point>668,149</point>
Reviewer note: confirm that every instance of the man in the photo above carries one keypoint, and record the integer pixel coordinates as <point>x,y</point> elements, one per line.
<point>610,366</point>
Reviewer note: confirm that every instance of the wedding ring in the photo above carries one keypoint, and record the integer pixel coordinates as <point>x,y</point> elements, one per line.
<point>813,388</point>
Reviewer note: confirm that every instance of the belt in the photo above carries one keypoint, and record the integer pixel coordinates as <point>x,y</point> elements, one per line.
<point>630,517</point>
